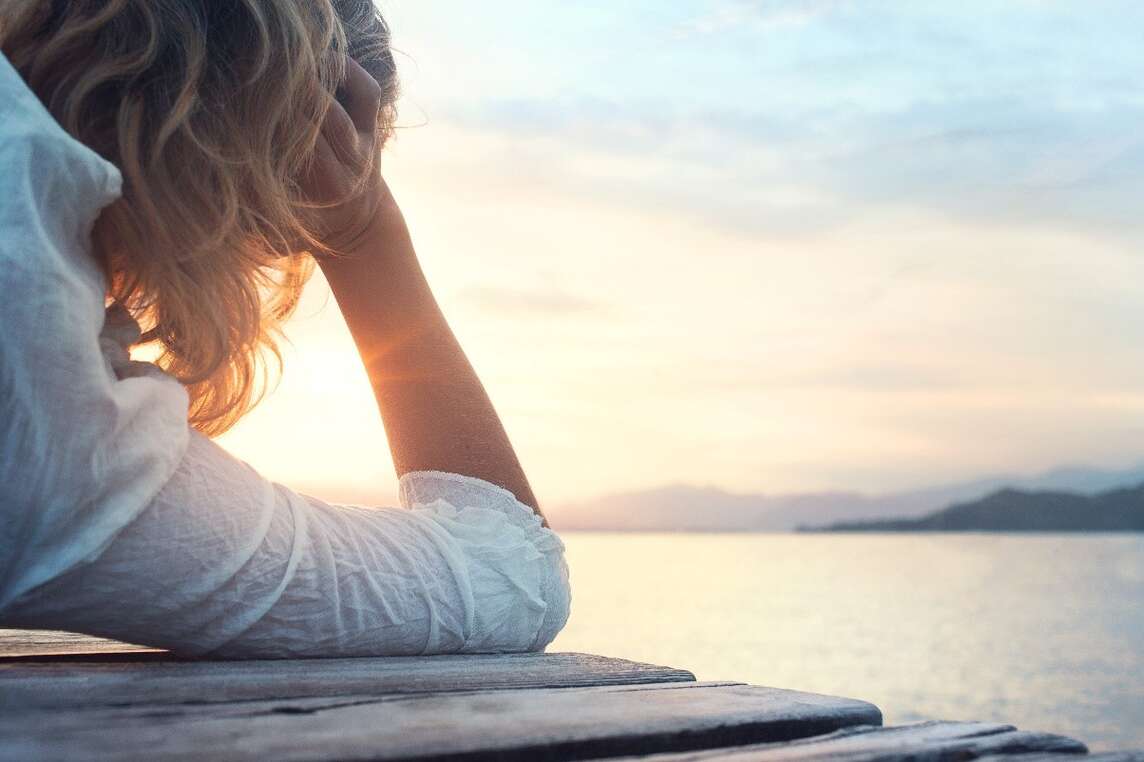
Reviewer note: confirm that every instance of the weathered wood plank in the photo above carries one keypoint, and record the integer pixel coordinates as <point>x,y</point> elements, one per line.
<point>1105,756</point>
<point>17,643</point>
<point>539,724</point>
<point>921,742</point>
<point>51,684</point>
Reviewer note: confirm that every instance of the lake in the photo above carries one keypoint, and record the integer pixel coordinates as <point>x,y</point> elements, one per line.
<point>1045,632</point>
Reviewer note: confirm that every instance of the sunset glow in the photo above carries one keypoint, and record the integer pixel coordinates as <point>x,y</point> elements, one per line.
<point>754,245</point>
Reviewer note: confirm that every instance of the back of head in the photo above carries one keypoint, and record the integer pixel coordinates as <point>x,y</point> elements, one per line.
<point>212,110</point>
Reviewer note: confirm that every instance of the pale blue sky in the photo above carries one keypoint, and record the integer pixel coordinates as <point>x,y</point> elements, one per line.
<point>765,245</point>
<point>994,109</point>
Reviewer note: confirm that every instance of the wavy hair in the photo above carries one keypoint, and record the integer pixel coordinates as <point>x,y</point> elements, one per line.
<point>212,110</point>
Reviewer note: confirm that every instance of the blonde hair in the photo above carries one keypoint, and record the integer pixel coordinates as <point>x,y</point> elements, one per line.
<point>212,111</point>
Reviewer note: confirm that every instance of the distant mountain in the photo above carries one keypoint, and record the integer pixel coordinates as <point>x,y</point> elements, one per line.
<point>1011,510</point>
<point>683,508</point>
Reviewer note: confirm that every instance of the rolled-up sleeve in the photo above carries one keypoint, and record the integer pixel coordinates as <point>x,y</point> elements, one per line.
<point>224,562</point>
<point>515,566</point>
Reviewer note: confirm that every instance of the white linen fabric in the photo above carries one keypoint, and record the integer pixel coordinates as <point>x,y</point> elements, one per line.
<point>118,520</point>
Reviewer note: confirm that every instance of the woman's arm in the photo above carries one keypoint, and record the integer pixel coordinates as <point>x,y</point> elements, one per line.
<point>436,412</point>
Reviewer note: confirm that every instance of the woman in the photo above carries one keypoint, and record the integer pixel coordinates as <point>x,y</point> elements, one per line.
<point>187,163</point>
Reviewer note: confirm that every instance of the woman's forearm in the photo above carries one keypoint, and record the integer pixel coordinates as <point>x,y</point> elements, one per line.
<point>437,414</point>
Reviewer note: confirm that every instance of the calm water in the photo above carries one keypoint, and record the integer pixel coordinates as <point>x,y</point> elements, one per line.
<point>1044,632</point>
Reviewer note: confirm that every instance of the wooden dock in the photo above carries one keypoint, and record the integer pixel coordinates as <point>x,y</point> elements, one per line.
<point>77,698</point>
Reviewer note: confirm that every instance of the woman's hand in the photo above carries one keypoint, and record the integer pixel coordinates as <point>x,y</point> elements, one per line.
<point>344,181</point>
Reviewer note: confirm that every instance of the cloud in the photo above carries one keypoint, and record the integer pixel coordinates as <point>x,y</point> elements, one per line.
<point>985,159</point>
<point>1017,113</point>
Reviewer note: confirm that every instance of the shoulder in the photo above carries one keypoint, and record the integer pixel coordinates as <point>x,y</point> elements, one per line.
<point>41,165</point>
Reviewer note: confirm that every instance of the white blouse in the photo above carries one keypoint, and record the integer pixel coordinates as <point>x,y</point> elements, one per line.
<point>118,520</point>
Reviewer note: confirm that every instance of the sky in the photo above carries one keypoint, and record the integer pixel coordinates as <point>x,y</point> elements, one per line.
<point>764,245</point>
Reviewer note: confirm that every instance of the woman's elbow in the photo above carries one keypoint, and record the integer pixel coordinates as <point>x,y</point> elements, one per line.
<point>520,607</point>
<point>557,594</point>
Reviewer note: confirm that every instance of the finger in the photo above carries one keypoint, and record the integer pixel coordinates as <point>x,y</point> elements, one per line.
<point>364,96</point>
<point>339,131</point>
<point>120,327</point>
<point>326,183</point>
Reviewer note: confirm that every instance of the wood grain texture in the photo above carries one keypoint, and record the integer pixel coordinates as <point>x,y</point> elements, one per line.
<point>921,742</point>
<point>18,643</point>
<point>1104,756</point>
<point>537,724</point>
<point>56,684</point>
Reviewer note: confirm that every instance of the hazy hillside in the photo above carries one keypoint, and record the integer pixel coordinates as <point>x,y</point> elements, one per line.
<point>1013,510</point>
<point>699,509</point>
